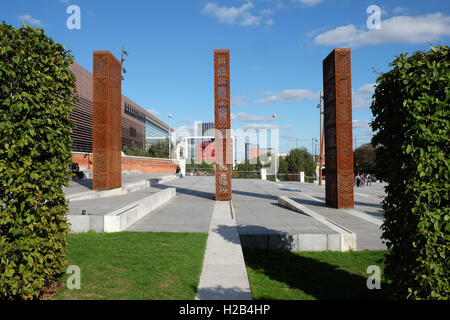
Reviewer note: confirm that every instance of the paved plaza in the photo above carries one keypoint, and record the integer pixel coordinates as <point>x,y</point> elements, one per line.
<point>255,207</point>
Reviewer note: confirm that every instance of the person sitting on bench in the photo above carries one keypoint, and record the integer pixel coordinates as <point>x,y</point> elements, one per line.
<point>76,170</point>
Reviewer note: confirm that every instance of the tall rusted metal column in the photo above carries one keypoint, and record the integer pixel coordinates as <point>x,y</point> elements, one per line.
<point>106,122</point>
<point>222,124</point>
<point>338,129</point>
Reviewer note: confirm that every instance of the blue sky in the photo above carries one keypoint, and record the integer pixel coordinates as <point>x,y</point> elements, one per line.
<point>277,48</point>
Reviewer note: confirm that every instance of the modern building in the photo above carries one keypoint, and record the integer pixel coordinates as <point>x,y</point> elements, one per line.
<point>204,129</point>
<point>251,151</point>
<point>139,127</point>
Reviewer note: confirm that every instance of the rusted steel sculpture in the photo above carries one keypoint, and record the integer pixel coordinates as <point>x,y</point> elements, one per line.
<point>106,122</point>
<point>224,154</point>
<point>338,129</point>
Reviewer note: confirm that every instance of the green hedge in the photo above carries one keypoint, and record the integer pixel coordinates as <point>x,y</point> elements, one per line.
<point>36,97</point>
<point>411,110</point>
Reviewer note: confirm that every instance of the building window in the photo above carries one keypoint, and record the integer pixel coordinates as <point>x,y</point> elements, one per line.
<point>133,132</point>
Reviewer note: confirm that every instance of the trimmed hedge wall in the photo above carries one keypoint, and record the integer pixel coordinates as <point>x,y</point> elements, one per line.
<point>412,113</point>
<point>37,90</point>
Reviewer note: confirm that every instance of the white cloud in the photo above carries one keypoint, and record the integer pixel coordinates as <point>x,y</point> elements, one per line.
<point>361,124</point>
<point>293,138</point>
<point>309,2</point>
<point>403,29</point>
<point>242,116</point>
<point>362,97</point>
<point>153,112</point>
<point>256,126</point>
<point>232,15</point>
<point>30,20</point>
<point>362,131</point>
<point>289,95</point>
<point>269,22</point>
<point>185,131</point>
<point>187,120</point>
<point>400,10</point>
<point>238,101</point>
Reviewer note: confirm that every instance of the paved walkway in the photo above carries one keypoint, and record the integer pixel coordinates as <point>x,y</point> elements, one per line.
<point>189,211</point>
<point>257,211</point>
<point>103,206</point>
<point>85,185</point>
<point>224,276</point>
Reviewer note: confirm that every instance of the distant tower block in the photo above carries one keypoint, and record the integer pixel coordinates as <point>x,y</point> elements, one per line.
<point>106,122</point>
<point>224,154</point>
<point>338,129</point>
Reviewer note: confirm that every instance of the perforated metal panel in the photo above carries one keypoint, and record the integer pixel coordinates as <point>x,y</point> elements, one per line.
<point>338,129</point>
<point>224,156</point>
<point>106,122</point>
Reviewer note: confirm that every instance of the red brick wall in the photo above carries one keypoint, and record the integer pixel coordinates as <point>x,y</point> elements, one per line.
<point>130,163</point>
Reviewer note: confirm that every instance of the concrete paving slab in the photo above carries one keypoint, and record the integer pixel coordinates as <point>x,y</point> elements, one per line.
<point>189,211</point>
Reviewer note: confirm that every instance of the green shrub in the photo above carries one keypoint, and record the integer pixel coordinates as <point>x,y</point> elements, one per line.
<point>134,151</point>
<point>411,109</point>
<point>299,160</point>
<point>36,97</point>
<point>160,149</point>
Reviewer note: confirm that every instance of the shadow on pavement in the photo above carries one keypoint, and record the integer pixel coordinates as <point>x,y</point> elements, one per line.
<point>84,182</point>
<point>253,194</point>
<point>187,191</point>
<point>221,293</point>
<point>257,237</point>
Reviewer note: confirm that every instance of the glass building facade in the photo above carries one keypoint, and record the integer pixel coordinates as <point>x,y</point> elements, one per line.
<point>154,132</point>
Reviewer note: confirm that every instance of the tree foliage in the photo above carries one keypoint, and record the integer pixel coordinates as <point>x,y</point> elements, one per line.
<point>36,97</point>
<point>299,160</point>
<point>160,149</point>
<point>364,158</point>
<point>411,109</point>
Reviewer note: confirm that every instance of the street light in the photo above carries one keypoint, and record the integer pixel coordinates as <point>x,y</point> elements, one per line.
<point>122,60</point>
<point>274,116</point>
<point>322,130</point>
<point>170,117</point>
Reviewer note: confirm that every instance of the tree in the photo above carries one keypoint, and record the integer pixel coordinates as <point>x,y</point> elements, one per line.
<point>412,120</point>
<point>37,91</point>
<point>160,149</point>
<point>364,158</point>
<point>283,166</point>
<point>299,160</point>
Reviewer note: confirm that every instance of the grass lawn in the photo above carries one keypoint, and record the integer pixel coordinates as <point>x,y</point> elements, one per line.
<point>326,275</point>
<point>135,265</point>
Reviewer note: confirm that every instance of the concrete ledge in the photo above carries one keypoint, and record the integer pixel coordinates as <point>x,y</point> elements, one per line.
<point>342,240</point>
<point>95,194</point>
<point>299,242</point>
<point>122,218</point>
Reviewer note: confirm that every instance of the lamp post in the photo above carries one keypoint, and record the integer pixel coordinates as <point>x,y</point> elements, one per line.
<point>170,117</point>
<point>322,129</point>
<point>122,60</point>
<point>274,116</point>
